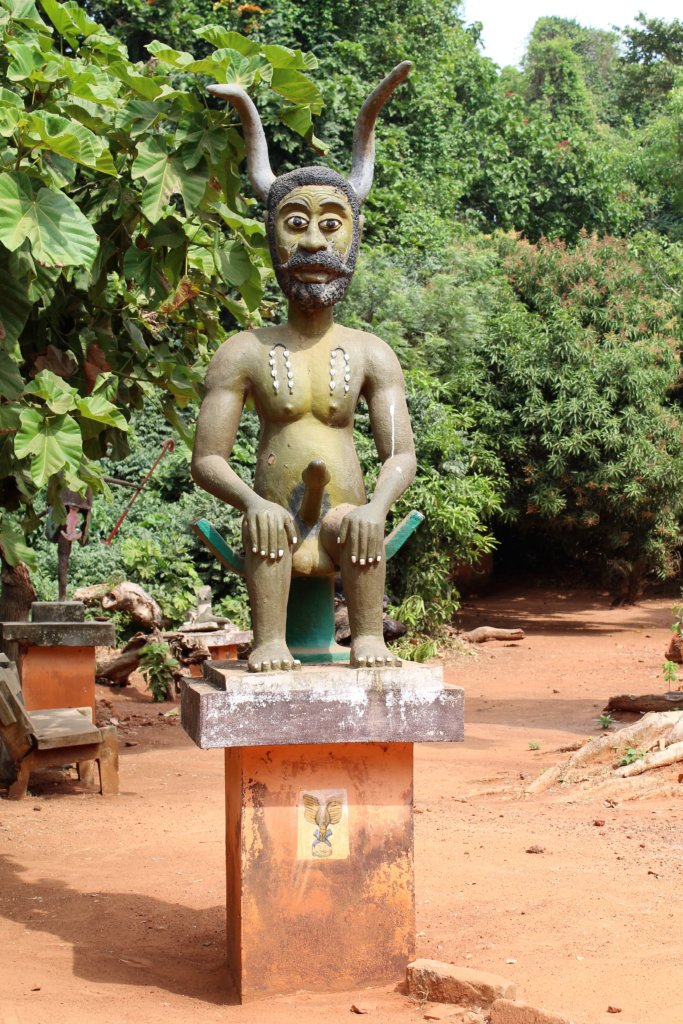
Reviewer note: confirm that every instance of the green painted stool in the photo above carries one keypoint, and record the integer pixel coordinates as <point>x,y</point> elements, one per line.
<point>310,610</point>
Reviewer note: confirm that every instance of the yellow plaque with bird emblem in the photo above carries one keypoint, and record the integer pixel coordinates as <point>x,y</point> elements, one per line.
<point>323,825</point>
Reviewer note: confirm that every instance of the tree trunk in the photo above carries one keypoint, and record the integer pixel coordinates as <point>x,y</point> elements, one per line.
<point>17,594</point>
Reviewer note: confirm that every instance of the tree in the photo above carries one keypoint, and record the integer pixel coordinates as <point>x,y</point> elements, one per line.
<point>572,388</point>
<point>651,63</point>
<point>123,231</point>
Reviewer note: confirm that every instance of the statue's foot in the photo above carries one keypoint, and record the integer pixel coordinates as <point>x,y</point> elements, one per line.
<point>272,656</point>
<point>372,652</point>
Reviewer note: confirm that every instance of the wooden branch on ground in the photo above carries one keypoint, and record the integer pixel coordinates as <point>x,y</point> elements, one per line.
<point>482,634</point>
<point>644,703</point>
<point>656,728</point>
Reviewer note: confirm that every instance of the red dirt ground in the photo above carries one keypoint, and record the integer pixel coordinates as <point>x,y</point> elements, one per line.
<point>112,910</point>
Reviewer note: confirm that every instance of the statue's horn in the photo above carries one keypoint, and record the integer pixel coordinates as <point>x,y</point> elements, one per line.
<point>258,161</point>
<point>363,157</point>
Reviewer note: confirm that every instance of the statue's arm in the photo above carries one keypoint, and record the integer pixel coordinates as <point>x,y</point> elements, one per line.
<point>384,392</point>
<point>271,528</point>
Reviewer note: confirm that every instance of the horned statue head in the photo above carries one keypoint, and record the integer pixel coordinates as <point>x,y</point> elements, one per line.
<point>316,270</point>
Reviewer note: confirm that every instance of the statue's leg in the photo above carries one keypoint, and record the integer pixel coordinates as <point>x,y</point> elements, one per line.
<point>364,592</point>
<point>268,586</point>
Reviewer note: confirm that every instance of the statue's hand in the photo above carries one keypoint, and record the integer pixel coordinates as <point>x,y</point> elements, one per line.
<point>363,532</point>
<point>271,528</point>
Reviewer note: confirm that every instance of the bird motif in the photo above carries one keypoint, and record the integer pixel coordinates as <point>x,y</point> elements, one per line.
<point>322,813</point>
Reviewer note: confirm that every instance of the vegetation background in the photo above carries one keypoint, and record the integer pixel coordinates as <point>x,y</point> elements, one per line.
<point>523,254</point>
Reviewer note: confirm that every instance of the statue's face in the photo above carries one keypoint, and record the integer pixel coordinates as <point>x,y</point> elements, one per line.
<point>313,248</point>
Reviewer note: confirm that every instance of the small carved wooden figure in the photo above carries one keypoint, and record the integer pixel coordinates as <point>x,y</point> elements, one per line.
<point>308,512</point>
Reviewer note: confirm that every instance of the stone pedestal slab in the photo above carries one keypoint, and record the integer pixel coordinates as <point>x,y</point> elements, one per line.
<point>319,816</point>
<point>321,704</point>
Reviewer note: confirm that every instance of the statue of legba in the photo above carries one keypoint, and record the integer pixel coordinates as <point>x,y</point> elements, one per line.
<point>308,513</point>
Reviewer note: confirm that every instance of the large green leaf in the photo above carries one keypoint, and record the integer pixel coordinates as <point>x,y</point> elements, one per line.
<point>224,38</point>
<point>247,225</point>
<point>70,20</point>
<point>54,442</point>
<point>59,396</point>
<point>69,139</point>
<point>14,547</point>
<point>11,384</point>
<point>60,235</point>
<point>296,88</point>
<point>178,59</point>
<point>165,176</point>
<point>233,263</point>
<point>97,408</point>
<point>15,306</point>
<point>228,66</point>
<point>145,268</point>
<point>283,57</point>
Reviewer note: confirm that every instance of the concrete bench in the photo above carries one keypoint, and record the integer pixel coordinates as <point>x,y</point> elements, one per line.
<point>58,736</point>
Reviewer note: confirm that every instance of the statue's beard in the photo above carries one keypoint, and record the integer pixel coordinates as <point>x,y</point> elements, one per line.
<point>315,294</point>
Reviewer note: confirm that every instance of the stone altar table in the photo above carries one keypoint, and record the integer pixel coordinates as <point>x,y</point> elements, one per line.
<point>55,653</point>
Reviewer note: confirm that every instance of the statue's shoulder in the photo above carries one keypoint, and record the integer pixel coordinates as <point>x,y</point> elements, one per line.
<point>377,353</point>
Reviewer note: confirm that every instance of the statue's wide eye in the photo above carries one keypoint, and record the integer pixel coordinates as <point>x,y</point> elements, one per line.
<point>330,224</point>
<point>296,222</point>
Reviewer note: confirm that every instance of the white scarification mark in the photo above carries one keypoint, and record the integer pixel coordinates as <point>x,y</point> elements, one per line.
<point>392,413</point>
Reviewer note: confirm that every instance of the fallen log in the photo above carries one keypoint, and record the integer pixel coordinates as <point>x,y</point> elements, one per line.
<point>124,597</point>
<point>482,634</point>
<point>117,669</point>
<point>646,702</point>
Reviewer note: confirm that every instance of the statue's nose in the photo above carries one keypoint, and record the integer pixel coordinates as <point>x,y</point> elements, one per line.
<point>313,240</point>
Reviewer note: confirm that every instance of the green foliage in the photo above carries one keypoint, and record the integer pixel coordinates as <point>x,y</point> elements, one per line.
<point>123,231</point>
<point>572,390</point>
<point>653,57</point>
<point>670,673</point>
<point>157,665</point>
<point>630,756</point>
<point>605,721</point>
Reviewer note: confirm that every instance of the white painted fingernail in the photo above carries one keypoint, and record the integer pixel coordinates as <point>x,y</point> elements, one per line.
<point>263,552</point>
<point>338,540</point>
<point>362,561</point>
<point>371,560</point>
<point>272,554</point>
<point>379,558</point>
<point>295,541</point>
<point>254,550</point>
<point>280,553</point>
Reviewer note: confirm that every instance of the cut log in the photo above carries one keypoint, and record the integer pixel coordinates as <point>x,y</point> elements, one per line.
<point>118,668</point>
<point>646,702</point>
<point>124,597</point>
<point>482,634</point>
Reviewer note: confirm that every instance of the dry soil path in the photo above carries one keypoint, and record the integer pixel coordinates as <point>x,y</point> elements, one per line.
<point>112,910</point>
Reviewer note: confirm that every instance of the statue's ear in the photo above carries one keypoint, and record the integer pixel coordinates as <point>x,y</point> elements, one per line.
<point>361,225</point>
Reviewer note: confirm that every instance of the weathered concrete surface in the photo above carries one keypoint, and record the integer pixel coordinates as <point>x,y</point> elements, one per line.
<point>505,1011</point>
<point>320,704</point>
<point>299,919</point>
<point>60,634</point>
<point>447,983</point>
<point>57,611</point>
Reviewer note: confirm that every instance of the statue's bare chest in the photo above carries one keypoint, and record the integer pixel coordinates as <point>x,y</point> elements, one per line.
<point>323,381</point>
